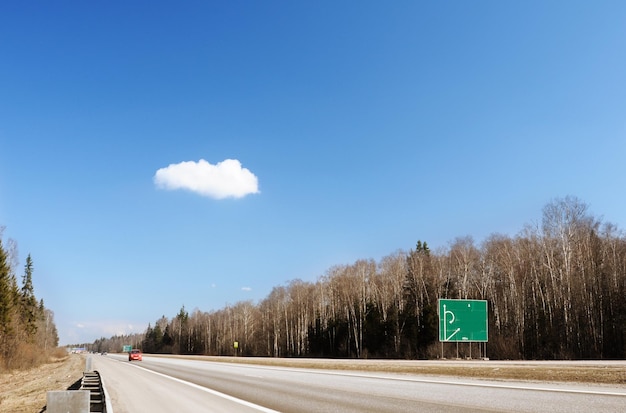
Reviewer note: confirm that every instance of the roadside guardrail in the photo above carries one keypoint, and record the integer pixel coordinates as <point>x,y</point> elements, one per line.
<point>90,397</point>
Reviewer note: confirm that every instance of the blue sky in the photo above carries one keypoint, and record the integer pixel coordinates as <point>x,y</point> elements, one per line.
<point>155,155</point>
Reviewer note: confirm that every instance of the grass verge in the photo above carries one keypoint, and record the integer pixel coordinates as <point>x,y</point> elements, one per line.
<point>23,391</point>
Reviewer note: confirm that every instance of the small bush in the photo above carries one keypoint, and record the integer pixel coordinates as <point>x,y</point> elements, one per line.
<point>27,356</point>
<point>59,353</point>
<point>23,356</point>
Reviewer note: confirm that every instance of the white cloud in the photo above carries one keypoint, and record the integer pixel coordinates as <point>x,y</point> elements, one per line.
<point>226,179</point>
<point>88,331</point>
<point>246,289</point>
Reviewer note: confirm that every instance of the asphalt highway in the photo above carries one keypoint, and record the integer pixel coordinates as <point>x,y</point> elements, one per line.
<point>159,384</point>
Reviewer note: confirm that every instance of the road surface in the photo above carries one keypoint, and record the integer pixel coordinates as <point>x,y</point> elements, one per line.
<point>160,384</point>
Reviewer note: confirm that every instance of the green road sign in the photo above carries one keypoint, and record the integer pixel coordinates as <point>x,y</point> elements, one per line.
<point>462,320</point>
<point>127,348</point>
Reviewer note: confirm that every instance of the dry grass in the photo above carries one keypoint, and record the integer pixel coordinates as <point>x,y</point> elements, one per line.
<point>23,391</point>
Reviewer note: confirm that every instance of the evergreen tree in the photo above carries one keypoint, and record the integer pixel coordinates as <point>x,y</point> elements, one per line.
<point>157,338</point>
<point>26,326</point>
<point>148,344</point>
<point>7,307</point>
<point>167,341</point>
<point>6,295</point>
<point>29,309</point>
<point>417,318</point>
<point>182,318</point>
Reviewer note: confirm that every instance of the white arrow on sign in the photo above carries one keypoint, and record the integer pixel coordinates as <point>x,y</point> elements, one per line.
<point>445,330</point>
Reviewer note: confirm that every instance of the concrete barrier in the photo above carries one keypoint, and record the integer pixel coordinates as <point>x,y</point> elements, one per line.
<point>68,401</point>
<point>91,397</point>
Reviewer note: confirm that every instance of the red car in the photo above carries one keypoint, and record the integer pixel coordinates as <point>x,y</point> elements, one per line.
<point>134,355</point>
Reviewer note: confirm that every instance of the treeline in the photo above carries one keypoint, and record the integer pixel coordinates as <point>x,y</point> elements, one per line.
<point>28,334</point>
<point>113,344</point>
<point>557,290</point>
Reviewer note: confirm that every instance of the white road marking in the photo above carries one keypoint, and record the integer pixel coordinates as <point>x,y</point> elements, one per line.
<point>490,385</point>
<point>213,392</point>
<point>460,383</point>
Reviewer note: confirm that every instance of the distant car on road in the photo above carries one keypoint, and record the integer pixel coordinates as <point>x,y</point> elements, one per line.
<point>135,354</point>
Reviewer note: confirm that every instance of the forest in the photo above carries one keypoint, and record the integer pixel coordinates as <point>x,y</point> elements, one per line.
<point>556,290</point>
<point>28,334</point>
